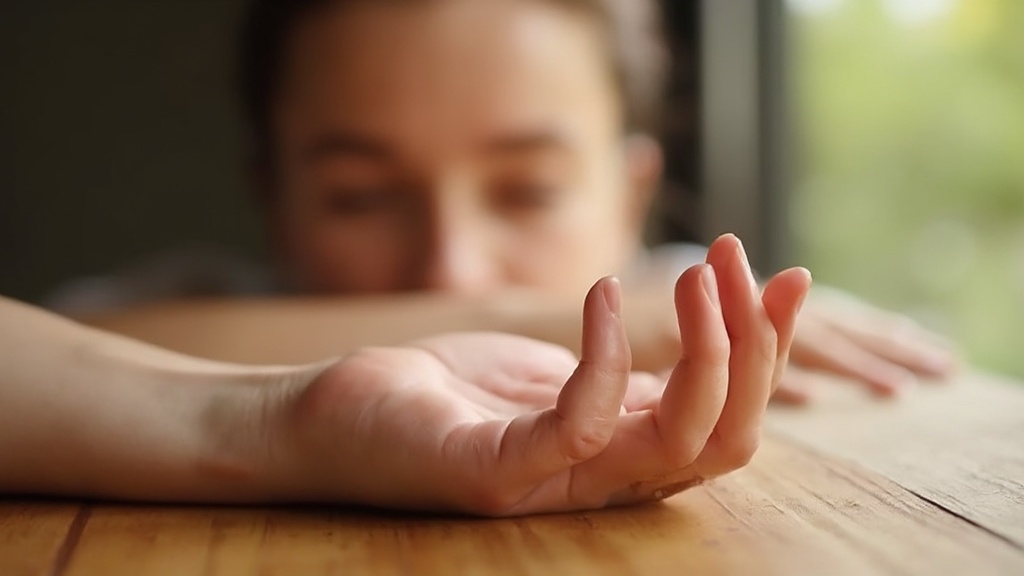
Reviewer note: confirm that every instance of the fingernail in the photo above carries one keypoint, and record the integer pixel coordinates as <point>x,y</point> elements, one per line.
<point>803,297</point>
<point>940,365</point>
<point>746,263</point>
<point>612,290</point>
<point>707,276</point>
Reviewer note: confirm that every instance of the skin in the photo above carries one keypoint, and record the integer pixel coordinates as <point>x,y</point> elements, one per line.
<point>462,147</point>
<point>481,423</point>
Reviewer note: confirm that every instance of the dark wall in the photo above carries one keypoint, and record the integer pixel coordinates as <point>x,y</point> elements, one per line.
<point>119,136</point>
<point>677,215</point>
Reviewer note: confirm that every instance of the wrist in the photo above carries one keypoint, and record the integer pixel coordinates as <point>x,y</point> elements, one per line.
<point>245,421</point>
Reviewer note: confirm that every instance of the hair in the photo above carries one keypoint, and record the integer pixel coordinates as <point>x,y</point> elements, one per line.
<point>631,31</point>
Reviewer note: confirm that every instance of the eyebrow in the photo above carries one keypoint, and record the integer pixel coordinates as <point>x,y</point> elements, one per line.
<point>368,147</point>
<point>528,141</point>
<point>348,143</point>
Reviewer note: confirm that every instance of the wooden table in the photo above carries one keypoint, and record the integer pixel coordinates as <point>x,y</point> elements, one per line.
<point>931,484</point>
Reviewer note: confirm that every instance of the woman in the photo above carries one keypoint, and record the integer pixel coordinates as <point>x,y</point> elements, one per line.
<point>474,165</point>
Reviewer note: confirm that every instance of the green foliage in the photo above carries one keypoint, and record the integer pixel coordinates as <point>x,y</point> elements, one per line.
<point>910,163</point>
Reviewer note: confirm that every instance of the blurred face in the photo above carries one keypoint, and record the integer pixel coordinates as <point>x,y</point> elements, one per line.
<point>464,145</point>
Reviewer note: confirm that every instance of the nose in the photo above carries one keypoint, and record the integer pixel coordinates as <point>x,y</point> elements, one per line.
<point>456,255</point>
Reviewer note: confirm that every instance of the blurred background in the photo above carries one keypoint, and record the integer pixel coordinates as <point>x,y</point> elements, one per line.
<point>878,142</point>
<point>119,137</point>
<point>908,136</point>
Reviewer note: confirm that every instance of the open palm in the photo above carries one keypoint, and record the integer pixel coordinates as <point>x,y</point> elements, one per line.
<point>502,425</point>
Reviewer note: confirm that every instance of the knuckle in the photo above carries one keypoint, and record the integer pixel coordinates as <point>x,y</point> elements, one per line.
<point>581,443</point>
<point>614,366</point>
<point>717,351</point>
<point>762,344</point>
<point>710,355</point>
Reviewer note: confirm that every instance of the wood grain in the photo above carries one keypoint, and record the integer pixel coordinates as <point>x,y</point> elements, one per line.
<point>960,445</point>
<point>32,535</point>
<point>791,511</point>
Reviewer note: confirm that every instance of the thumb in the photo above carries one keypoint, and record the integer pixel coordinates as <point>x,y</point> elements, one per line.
<point>538,445</point>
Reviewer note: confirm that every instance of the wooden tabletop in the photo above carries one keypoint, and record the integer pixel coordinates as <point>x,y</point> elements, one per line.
<point>930,484</point>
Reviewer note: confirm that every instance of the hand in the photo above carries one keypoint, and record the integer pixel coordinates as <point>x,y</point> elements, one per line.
<point>838,334</point>
<point>501,425</point>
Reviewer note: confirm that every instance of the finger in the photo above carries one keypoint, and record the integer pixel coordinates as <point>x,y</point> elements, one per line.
<point>835,353</point>
<point>893,336</point>
<point>900,341</point>
<point>696,389</point>
<point>796,388</point>
<point>699,442</point>
<point>590,399</point>
<point>792,394</point>
<point>652,449</point>
<point>754,346</point>
<point>782,298</point>
<point>538,445</point>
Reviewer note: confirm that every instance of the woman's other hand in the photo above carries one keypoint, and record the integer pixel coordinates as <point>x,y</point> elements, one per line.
<point>840,335</point>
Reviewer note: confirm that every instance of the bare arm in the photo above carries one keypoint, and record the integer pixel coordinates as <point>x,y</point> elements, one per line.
<point>480,422</point>
<point>303,329</point>
<point>88,413</point>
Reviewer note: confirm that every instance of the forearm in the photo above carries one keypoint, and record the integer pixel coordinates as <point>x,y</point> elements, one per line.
<point>90,414</point>
<point>294,330</point>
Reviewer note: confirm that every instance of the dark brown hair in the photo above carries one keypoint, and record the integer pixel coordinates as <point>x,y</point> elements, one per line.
<point>631,29</point>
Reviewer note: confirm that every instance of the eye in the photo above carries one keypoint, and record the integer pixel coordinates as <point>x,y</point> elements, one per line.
<point>527,196</point>
<point>353,202</point>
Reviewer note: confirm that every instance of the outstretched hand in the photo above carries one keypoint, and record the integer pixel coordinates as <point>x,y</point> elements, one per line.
<point>501,425</point>
<point>841,335</point>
